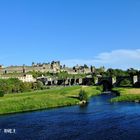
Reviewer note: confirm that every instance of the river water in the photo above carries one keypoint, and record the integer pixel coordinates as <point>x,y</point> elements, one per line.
<point>99,120</point>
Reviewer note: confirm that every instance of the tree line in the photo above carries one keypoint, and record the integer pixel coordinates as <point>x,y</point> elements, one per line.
<point>14,85</point>
<point>98,71</point>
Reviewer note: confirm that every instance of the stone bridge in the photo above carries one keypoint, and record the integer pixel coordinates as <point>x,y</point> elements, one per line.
<point>107,82</point>
<point>66,82</point>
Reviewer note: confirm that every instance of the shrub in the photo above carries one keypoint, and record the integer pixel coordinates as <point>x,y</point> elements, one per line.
<point>25,87</point>
<point>125,82</point>
<point>100,88</point>
<point>40,85</point>
<point>1,93</point>
<point>83,95</point>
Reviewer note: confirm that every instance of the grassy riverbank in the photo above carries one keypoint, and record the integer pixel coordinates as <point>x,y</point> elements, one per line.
<point>127,95</point>
<point>37,100</point>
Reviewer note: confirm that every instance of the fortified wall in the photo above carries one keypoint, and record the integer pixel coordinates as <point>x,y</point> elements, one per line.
<point>53,67</point>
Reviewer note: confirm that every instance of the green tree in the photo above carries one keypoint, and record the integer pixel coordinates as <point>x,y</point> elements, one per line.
<point>24,87</point>
<point>39,85</point>
<point>132,71</point>
<point>1,93</point>
<point>85,66</point>
<point>126,83</point>
<point>83,95</point>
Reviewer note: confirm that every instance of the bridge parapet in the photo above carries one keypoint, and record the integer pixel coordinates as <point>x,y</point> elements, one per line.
<point>111,81</point>
<point>115,81</point>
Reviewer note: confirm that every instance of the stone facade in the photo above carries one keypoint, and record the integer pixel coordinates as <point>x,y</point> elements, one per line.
<point>44,67</point>
<point>23,78</point>
<point>83,69</point>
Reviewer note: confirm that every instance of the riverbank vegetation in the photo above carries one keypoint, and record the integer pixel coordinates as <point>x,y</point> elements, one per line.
<point>83,95</point>
<point>44,99</point>
<point>59,75</point>
<point>127,95</point>
<point>14,85</point>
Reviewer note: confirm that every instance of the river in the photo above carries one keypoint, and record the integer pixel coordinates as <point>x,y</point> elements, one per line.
<point>99,120</point>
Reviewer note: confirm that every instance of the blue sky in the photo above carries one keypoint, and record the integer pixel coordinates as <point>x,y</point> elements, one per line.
<point>96,32</point>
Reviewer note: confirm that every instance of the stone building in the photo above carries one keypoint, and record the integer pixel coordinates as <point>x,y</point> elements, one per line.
<point>53,67</point>
<point>22,77</point>
<point>42,67</point>
<point>82,69</point>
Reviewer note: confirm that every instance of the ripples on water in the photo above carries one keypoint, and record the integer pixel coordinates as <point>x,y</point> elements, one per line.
<point>100,120</point>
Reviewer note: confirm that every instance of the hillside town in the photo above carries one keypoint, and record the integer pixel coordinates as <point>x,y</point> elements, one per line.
<point>23,72</point>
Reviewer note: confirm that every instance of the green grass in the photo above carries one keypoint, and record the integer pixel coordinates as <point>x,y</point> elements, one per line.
<point>127,95</point>
<point>50,98</point>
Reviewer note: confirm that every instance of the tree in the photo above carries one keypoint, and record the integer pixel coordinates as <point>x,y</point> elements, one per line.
<point>132,71</point>
<point>92,69</point>
<point>40,85</point>
<point>115,72</point>
<point>63,75</point>
<point>24,87</point>
<point>83,95</point>
<point>100,70</point>
<point>126,83</point>
<point>1,93</point>
<point>85,66</point>
<point>15,84</point>
<point>5,87</point>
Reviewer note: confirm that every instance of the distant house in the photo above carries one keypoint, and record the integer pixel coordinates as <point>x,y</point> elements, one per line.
<point>23,78</point>
<point>1,66</point>
<point>27,78</point>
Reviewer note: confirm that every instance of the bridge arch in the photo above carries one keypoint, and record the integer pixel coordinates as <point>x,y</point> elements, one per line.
<point>107,85</point>
<point>137,84</point>
<point>124,80</point>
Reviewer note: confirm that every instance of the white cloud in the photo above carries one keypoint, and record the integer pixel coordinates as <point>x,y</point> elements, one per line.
<point>115,59</point>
